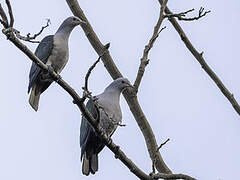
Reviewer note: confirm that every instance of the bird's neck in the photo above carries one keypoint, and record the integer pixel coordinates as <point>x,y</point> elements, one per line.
<point>64,32</point>
<point>113,93</point>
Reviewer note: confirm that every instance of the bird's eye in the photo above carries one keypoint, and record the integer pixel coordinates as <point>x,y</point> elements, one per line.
<point>123,82</point>
<point>74,19</point>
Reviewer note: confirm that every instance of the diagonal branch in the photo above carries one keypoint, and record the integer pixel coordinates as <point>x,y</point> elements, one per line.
<point>129,94</point>
<point>199,57</point>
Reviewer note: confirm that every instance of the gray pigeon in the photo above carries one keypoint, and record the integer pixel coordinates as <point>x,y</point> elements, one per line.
<point>52,51</point>
<point>110,117</point>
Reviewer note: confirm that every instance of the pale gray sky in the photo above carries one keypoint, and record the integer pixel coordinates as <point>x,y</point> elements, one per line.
<point>180,101</point>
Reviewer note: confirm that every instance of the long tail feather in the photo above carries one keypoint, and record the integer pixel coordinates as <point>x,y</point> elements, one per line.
<point>85,165</point>
<point>94,163</point>
<point>34,97</point>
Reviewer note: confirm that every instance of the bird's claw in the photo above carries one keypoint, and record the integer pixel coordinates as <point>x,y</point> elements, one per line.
<point>50,69</point>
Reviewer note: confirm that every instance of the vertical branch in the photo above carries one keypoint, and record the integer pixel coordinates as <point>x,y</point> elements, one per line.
<point>10,13</point>
<point>144,59</point>
<point>4,20</point>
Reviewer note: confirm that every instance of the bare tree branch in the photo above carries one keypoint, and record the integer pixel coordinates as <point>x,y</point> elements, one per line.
<point>7,25</point>
<point>10,13</point>
<point>129,94</point>
<point>181,16</point>
<point>92,67</point>
<point>4,20</point>
<point>30,38</point>
<point>199,57</point>
<point>144,59</point>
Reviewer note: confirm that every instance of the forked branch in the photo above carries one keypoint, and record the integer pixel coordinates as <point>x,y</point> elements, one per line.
<point>30,38</point>
<point>9,25</point>
<point>199,57</point>
<point>182,16</point>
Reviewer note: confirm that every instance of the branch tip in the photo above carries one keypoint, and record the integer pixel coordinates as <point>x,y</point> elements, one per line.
<point>181,16</point>
<point>161,145</point>
<point>106,46</point>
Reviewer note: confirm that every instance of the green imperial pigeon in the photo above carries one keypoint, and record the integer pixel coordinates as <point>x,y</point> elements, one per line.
<point>52,51</point>
<point>110,117</point>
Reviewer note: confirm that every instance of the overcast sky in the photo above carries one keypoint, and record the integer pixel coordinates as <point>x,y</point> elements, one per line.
<point>179,99</point>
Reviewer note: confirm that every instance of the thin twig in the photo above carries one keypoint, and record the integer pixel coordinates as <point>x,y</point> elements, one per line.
<point>89,72</point>
<point>93,66</point>
<point>30,38</point>
<point>153,162</point>
<point>10,13</point>
<point>198,56</point>
<point>161,145</point>
<point>144,59</point>
<point>181,16</point>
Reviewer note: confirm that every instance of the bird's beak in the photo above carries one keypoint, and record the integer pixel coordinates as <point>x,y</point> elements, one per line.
<point>128,86</point>
<point>82,22</point>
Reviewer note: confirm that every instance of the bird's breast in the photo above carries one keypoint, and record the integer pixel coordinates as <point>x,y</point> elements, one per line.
<point>110,119</point>
<point>59,55</point>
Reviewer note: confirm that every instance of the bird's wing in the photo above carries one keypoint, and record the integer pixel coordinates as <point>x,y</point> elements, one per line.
<point>43,51</point>
<point>85,128</point>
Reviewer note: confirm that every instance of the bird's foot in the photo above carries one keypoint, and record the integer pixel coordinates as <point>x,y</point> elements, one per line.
<point>51,70</point>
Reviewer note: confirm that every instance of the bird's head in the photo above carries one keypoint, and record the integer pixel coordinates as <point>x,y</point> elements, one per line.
<point>68,24</point>
<point>73,21</point>
<point>120,84</point>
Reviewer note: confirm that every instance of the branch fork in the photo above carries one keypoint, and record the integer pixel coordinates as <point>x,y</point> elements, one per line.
<point>182,16</point>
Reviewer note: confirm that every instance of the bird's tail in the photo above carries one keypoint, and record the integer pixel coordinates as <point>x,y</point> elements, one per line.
<point>35,96</point>
<point>90,164</point>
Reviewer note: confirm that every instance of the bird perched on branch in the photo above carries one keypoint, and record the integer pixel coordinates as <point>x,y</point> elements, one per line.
<point>105,108</point>
<point>52,51</point>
